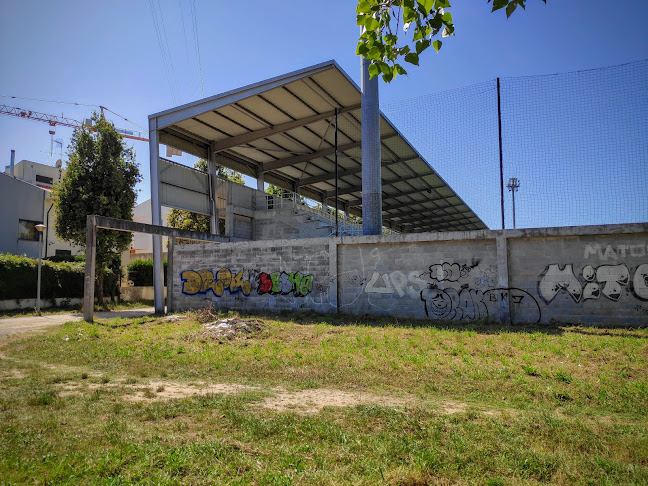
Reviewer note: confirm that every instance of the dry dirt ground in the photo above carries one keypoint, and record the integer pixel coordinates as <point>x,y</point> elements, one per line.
<point>12,325</point>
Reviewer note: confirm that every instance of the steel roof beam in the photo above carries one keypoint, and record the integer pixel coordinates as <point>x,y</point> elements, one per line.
<point>282,127</point>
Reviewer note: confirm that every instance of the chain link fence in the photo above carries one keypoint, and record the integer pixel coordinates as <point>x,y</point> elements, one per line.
<point>574,146</point>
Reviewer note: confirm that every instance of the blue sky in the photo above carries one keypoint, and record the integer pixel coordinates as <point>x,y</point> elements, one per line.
<point>107,53</point>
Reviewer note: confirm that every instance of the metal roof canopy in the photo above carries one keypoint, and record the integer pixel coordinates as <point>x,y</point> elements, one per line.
<point>281,129</point>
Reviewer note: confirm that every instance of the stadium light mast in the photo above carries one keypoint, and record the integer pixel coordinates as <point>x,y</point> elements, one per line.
<point>513,185</point>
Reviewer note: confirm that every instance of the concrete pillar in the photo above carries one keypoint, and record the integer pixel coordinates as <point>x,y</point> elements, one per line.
<point>170,272</point>
<point>156,217</point>
<point>371,170</point>
<point>90,263</point>
<point>213,185</point>
<point>260,181</point>
<point>504,306</point>
<point>229,213</point>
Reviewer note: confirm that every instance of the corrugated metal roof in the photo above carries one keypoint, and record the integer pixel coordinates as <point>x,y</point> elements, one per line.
<point>282,127</point>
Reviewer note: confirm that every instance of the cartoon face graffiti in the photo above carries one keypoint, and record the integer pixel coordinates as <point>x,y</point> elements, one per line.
<point>438,302</point>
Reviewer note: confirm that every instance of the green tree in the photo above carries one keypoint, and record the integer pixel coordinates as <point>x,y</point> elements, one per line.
<point>421,21</point>
<point>181,219</point>
<point>100,178</point>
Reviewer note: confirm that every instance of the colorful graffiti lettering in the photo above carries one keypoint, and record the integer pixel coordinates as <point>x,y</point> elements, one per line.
<point>282,283</point>
<point>202,281</point>
<point>606,280</point>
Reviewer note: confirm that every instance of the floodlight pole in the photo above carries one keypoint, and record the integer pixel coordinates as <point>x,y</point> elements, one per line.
<point>513,185</point>
<point>371,177</point>
<point>501,160</point>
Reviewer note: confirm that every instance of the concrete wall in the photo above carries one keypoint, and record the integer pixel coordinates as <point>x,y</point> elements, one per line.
<point>277,275</point>
<point>594,275</point>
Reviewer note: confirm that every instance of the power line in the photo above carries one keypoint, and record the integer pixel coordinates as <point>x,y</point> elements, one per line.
<point>195,26</point>
<point>161,45</point>
<point>49,101</point>
<point>74,104</point>
<point>186,43</point>
<point>168,50</point>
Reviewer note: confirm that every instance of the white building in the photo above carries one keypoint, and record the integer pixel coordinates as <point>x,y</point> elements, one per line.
<point>40,180</point>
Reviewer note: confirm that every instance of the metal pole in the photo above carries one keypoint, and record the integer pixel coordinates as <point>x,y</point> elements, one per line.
<point>371,177</point>
<point>156,216</point>
<point>337,233</point>
<point>501,163</point>
<point>38,288</point>
<point>513,192</point>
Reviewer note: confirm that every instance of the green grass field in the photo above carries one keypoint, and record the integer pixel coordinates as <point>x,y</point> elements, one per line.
<point>312,399</point>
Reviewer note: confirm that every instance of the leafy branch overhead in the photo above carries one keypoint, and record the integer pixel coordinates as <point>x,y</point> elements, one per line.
<point>383,43</point>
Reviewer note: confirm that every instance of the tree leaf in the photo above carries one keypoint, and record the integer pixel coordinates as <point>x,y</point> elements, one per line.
<point>510,8</point>
<point>373,71</point>
<point>399,69</point>
<point>437,45</point>
<point>362,49</point>
<point>371,23</point>
<point>422,45</point>
<point>363,7</point>
<point>412,58</point>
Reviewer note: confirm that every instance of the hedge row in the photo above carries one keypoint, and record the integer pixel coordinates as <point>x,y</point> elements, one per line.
<point>19,278</point>
<point>140,272</point>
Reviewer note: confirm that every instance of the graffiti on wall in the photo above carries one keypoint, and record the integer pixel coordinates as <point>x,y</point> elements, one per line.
<point>610,252</point>
<point>399,283</point>
<point>607,281</point>
<point>224,280</point>
<point>284,283</point>
<point>203,281</point>
<point>443,300</point>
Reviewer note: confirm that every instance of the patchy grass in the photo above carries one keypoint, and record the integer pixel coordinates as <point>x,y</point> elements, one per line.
<point>108,306</point>
<point>143,400</point>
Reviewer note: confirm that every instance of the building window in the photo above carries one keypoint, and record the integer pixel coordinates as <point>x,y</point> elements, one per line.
<point>44,180</point>
<point>27,230</point>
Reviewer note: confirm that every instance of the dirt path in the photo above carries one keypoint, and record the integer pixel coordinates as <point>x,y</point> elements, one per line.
<point>14,325</point>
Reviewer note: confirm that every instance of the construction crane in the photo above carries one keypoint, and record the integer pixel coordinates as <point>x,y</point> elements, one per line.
<point>54,120</point>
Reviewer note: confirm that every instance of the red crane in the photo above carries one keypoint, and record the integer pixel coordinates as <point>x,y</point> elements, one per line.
<point>54,120</point>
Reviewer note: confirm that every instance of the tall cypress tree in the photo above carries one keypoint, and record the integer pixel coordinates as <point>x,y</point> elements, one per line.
<point>100,179</point>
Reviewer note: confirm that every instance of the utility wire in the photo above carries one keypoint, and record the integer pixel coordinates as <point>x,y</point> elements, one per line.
<point>161,45</point>
<point>73,103</point>
<point>195,28</point>
<point>48,101</point>
<point>168,50</point>
<point>186,43</point>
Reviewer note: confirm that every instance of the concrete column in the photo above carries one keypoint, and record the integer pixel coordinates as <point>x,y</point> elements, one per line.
<point>229,214</point>
<point>260,181</point>
<point>371,170</point>
<point>504,306</point>
<point>156,217</point>
<point>89,280</point>
<point>170,272</point>
<point>334,286</point>
<point>213,184</point>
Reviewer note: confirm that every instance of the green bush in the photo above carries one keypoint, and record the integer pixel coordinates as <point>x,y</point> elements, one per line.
<point>140,272</point>
<point>19,278</point>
